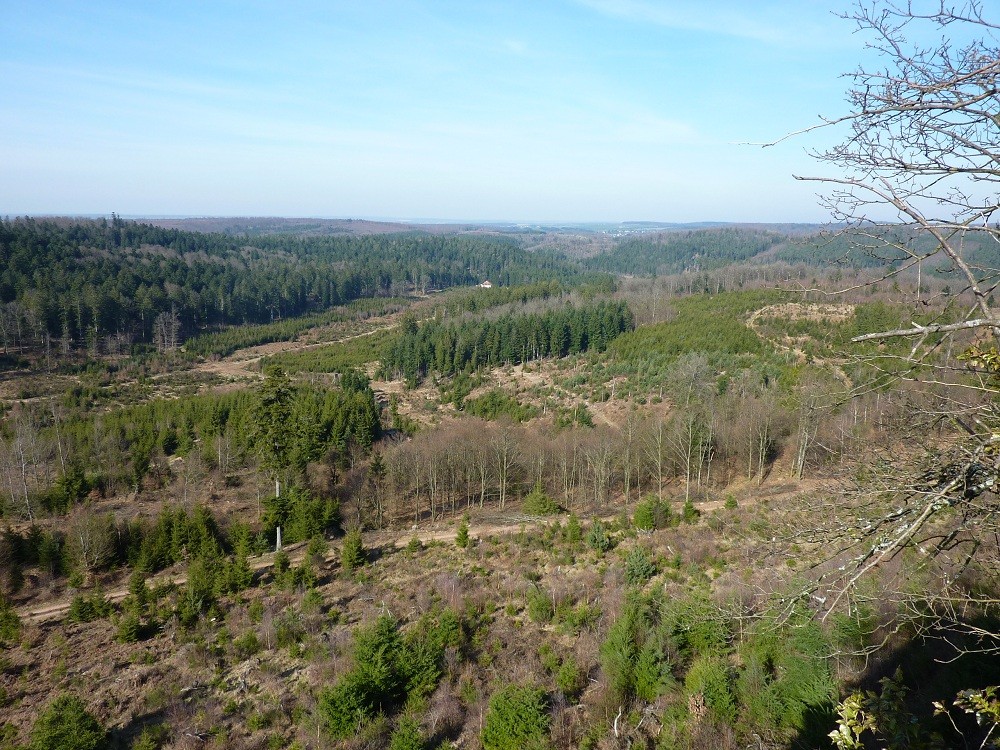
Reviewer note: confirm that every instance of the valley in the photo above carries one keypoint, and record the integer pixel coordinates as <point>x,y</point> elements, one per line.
<point>622,496</point>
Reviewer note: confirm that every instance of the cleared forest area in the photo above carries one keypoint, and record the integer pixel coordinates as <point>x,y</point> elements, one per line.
<point>573,510</point>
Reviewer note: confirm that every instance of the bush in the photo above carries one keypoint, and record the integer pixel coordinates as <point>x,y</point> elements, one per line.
<point>653,513</point>
<point>129,627</point>
<point>639,566</point>
<point>495,404</point>
<point>65,723</point>
<point>462,538</point>
<point>353,555</point>
<point>246,645</point>
<point>643,518</point>
<point>652,672</point>
<point>539,606</point>
<point>618,653</point>
<point>710,676</point>
<point>598,537</point>
<point>386,669</point>
<point>152,738</point>
<point>344,706</point>
<point>10,623</point>
<point>407,736</point>
<point>300,515</point>
<point>517,719</point>
<point>573,534</point>
<point>537,503</point>
<point>570,679</point>
<point>89,608</point>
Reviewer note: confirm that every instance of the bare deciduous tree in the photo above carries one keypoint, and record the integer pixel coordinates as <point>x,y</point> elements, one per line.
<point>916,182</point>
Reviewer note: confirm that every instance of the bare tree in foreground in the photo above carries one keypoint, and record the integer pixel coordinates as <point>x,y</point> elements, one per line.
<point>916,181</point>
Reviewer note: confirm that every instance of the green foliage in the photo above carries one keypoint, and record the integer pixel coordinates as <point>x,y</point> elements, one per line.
<point>713,324</point>
<point>449,348</point>
<point>235,574</point>
<point>152,738</point>
<point>785,679</point>
<point>885,716</point>
<point>424,648</point>
<point>199,593</point>
<point>10,623</point>
<point>619,650</point>
<point>462,537</point>
<point>570,679</point>
<point>122,273</point>
<point>84,608</point>
<point>129,627</point>
<point>387,669</point>
<point>983,704</point>
<point>540,607</point>
<point>66,723</point>
<point>352,553</point>
<point>854,631</point>
<point>689,513</point>
<point>651,673</point>
<point>478,299</point>
<point>639,566</point>
<point>653,513</point>
<point>598,537</point>
<point>301,576</point>
<point>538,503</point>
<point>176,536</point>
<point>573,533</point>
<point>338,356</point>
<point>710,677</point>
<point>285,425</point>
<point>228,340</point>
<point>317,547</point>
<point>138,591</point>
<point>496,403</point>
<point>300,514</point>
<point>72,487</point>
<point>374,682</point>
<point>272,420</point>
<point>644,518</point>
<point>344,706</point>
<point>697,626</point>
<point>517,719</point>
<point>575,619</point>
<point>246,645</point>
<point>407,735</point>
<point>674,252</point>
<point>576,415</point>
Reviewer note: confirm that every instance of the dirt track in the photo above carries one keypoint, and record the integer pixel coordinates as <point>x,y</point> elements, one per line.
<point>438,532</point>
<point>240,364</point>
<point>58,610</point>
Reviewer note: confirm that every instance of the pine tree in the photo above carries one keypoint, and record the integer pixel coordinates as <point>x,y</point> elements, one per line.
<point>353,555</point>
<point>462,538</point>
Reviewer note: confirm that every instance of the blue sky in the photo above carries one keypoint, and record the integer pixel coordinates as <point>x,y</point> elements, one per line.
<point>583,110</point>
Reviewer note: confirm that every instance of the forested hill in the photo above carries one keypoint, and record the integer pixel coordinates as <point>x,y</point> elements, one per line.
<point>674,252</point>
<point>706,249</point>
<point>84,280</point>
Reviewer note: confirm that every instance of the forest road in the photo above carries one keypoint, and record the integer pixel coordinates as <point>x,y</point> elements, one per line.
<point>56,611</point>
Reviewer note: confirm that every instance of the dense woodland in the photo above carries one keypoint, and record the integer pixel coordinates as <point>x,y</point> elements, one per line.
<point>109,284</point>
<point>573,510</point>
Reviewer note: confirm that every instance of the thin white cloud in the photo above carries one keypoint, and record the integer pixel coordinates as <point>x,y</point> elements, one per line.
<point>760,26</point>
<point>515,47</point>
